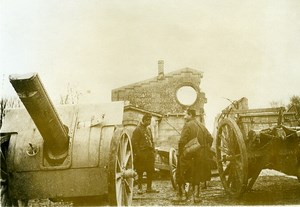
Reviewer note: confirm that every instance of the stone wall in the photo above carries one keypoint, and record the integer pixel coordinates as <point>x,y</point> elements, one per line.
<point>158,97</point>
<point>159,94</point>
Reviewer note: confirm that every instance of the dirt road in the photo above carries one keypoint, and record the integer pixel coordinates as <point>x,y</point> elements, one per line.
<point>268,190</point>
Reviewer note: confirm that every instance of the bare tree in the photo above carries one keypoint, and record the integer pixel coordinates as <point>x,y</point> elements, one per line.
<point>11,102</point>
<point>72,96</point>
<point>275,104</point>
<point>3,103</point>
<point>294,106</point>
<point>14,102</point>
<point>294,101</point>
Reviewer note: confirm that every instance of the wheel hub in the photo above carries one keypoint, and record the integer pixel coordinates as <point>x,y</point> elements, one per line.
<point>129,173</point>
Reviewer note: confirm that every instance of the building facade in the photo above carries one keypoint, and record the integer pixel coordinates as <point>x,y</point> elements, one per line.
<point>166,96</point>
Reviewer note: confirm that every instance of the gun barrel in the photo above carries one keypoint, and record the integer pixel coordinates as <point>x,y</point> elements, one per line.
<point>35,99</point>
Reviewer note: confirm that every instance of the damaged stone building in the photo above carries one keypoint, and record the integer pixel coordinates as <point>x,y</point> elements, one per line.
<point>165,97</point>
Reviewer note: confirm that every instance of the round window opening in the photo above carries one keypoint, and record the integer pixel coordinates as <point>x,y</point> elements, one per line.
<point>186,95</point>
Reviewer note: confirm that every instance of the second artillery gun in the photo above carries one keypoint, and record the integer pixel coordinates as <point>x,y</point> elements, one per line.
<point>63,152</point>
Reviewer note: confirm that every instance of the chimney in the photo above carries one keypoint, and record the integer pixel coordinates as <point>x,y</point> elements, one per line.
<point>160,69</point>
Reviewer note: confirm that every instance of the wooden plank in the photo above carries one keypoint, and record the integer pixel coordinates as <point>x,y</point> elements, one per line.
<point>265,114</point>
<point>259,110</point>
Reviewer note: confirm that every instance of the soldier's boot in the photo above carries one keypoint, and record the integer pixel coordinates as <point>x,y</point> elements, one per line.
<point>204,185</point>
<point>140,181</point>
<point>179,197</point>
<point>140,189</point>
<point>196,194</point>
<point>149,184</point>
<point>187,191</point>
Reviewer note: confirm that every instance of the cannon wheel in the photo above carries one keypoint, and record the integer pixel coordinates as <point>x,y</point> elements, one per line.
<point>121,173</point>
<point>231,155</point>
<point>173,166</point>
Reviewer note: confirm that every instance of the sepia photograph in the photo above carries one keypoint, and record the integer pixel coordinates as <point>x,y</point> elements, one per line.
<point>150,103</point>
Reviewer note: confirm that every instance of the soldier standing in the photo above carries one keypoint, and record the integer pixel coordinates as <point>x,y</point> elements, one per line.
<point>144,153</point>
<point>194,168</point>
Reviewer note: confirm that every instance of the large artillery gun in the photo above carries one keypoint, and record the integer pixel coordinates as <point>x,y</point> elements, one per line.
<point>250,140</point>
<point>63,152</point>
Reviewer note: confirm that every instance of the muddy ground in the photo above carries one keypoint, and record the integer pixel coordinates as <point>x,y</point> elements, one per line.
<point>268,190</point>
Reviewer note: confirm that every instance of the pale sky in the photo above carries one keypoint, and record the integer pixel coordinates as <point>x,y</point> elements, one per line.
<point>244,48</point>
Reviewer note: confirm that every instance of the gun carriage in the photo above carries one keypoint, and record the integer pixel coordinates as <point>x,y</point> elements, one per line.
<point>250,140</point>
<point>63,152</point>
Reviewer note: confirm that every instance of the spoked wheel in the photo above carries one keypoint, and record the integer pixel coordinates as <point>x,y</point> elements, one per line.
<point>231,155</point>
<point>173,166</point>
<point>121,172</point>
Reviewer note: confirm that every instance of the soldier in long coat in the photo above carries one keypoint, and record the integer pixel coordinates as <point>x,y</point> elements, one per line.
<point>144,153</point>
<point>196,168</point>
